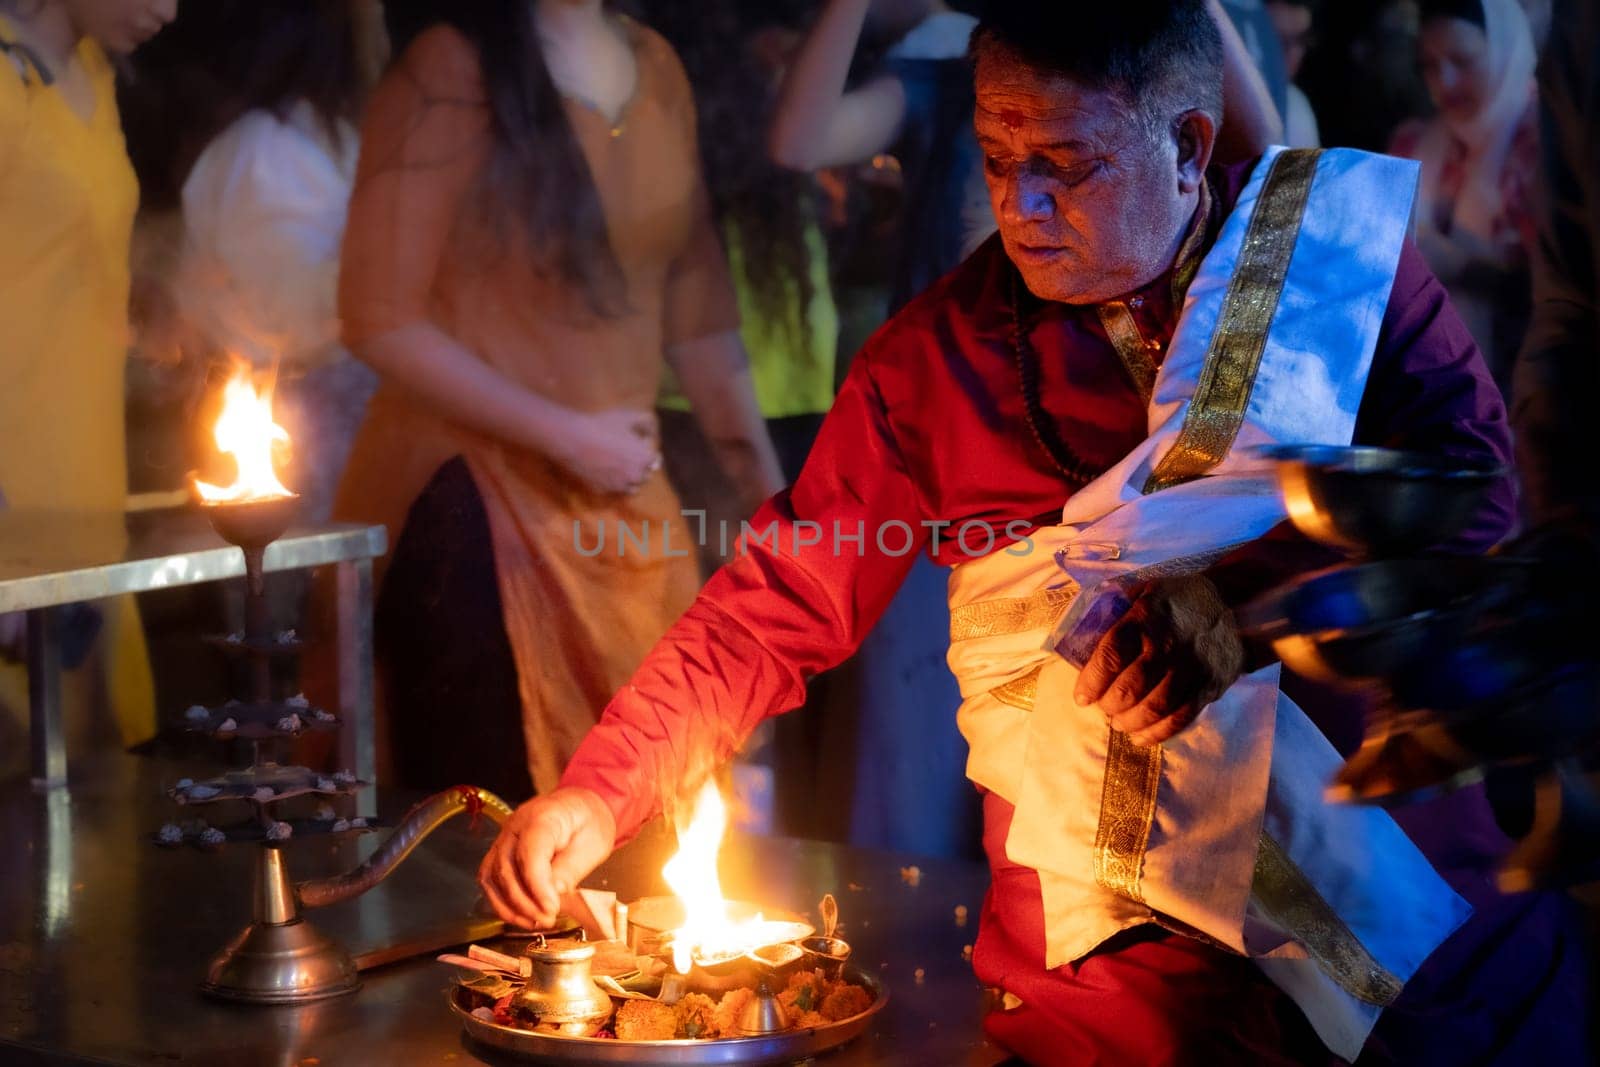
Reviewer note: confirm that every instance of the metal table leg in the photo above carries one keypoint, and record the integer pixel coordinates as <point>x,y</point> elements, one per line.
<point>47,733</point>
<point>357,739</point>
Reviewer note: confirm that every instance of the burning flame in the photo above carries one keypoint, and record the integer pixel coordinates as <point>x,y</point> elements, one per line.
<point>245,430</point>
<point>708,932</point>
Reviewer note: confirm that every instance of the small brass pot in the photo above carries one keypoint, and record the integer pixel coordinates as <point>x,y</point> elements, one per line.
<point>561,991</point>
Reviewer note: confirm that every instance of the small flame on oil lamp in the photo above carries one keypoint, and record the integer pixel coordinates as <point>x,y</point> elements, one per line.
<point>245,430</point>
<point>709,932</point>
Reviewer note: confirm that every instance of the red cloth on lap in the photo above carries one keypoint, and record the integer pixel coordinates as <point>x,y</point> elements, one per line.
<point>1147,996</point>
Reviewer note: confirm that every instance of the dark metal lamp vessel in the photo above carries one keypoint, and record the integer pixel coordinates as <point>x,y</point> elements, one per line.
<point>1376,501</point>
<point>1477,666</point>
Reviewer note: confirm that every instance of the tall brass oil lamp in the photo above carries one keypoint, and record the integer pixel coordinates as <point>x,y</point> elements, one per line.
<point>280,957</point>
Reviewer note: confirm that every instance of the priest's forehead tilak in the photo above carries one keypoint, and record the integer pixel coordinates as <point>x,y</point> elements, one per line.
<point>1051,110</point>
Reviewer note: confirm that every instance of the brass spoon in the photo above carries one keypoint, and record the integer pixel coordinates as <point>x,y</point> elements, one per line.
<point>829,909</point>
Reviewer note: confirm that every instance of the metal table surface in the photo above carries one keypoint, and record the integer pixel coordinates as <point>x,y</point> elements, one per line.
<point>103,937</point>
<point>51,559</point>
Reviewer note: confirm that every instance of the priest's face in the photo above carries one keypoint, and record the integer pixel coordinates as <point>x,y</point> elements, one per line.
<point>1092,197</point>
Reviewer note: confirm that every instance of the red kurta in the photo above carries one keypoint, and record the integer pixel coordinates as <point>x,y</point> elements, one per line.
<point>930,429</point>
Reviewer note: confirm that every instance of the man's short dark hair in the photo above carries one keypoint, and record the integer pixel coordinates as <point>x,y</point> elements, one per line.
<point>1162,56</point>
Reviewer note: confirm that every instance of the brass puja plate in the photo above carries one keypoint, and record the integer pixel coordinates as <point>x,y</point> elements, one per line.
<point>785,1047</point>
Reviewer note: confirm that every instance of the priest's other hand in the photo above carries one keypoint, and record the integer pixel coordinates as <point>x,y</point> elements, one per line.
<point>1175,651</point>
<point>547,846</point>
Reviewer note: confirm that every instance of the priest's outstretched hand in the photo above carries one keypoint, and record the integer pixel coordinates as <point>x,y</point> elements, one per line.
<point>1173,652</point>
<point>543,851</point>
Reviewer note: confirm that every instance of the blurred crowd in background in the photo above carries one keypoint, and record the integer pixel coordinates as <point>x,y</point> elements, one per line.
<point>505,266</point>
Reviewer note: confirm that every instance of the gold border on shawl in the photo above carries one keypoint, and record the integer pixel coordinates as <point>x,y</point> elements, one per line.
<point>1229,376</point>
<point>1020,692</point>
<point>1128,795</point>
<point>1129,343</point>
<point>1011,615</point>
<point>1127,808</point>
<point>1290,900</point>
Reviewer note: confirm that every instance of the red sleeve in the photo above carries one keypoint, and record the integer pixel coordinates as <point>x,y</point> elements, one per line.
<point>820,564</point>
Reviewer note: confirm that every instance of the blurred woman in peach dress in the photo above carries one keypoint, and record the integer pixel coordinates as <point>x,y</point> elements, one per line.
<point>528,245</point>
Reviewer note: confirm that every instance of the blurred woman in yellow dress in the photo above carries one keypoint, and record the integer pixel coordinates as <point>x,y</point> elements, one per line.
<point>67,201</point>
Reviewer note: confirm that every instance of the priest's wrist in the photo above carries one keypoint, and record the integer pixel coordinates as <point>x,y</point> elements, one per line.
<point>621,814</point>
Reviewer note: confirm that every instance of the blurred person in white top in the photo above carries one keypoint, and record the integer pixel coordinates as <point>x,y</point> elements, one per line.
<point>264,216</point>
